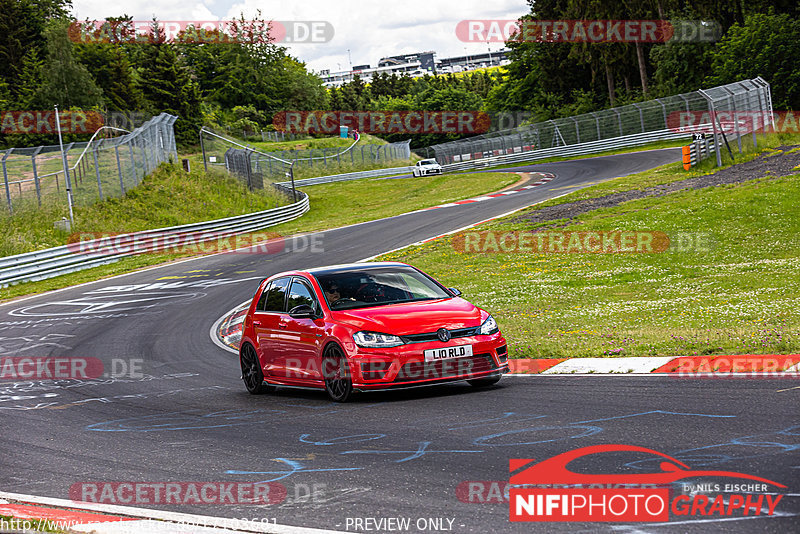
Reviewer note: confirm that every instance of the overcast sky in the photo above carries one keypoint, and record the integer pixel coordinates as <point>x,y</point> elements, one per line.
<point>369,29</point>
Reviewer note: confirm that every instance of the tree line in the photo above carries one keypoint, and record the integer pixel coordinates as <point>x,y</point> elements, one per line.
<point>214,81</point>
<point>243,84</point>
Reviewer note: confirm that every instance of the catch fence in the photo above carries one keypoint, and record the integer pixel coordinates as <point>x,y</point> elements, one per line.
<point>730,110</point>
<point>274,166</point>
<point>97,169</point>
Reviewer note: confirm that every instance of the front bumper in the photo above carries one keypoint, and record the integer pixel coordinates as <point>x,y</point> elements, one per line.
<point>405,366</point>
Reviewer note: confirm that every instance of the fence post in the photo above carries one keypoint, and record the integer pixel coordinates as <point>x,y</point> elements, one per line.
<point>713,113</point>
<point>619,119</point>
<point>663,111</point>
<point>36,176</point>
<point>97,172</point>
<point>310,157</point>
<point>119,170</point>
<point>325,156</point>
<point>145,156</point>
<point>203,148</point>
<point>641,115</point>
<point>597,123</point>
<point>133,162</point>
<point>753,115</point>
<point>735,117</point>
<point>5,179</point>
<point>577,130</point>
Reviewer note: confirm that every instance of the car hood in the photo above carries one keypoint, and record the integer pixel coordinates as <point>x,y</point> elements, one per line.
<point>413,317</point>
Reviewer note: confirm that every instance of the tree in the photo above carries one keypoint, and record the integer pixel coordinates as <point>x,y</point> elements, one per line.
<point>680,67</point>
<point>22,24</point>
<point>112,70</point>
<point>168,87</point>
<point>355,95</point>
<point>771,46</point>
<point>65,81</point>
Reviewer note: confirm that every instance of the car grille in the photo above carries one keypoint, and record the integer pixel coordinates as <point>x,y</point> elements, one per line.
<point>432,336</point>
<point>445,368</point>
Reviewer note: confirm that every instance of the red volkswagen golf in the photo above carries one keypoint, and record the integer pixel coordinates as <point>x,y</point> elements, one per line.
<point>366,326</point>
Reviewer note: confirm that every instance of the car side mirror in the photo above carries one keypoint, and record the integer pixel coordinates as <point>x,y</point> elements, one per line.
<point>303,311</point>
<point>454,291</point>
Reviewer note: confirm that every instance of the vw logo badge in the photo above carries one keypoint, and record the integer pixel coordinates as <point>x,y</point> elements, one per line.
<point>444,335</point>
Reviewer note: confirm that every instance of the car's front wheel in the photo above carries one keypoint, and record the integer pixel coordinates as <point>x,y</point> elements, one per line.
<point>338,383</point>
<point>252,375</point>
<point>484,382</point>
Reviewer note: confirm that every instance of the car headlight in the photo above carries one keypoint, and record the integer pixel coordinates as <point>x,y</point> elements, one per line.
<point>376,340</point>
<point>489,326</point>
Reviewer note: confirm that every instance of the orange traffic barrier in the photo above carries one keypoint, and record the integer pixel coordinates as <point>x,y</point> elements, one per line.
<point>687,157</point>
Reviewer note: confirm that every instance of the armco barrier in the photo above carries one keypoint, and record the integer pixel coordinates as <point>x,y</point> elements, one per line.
<point>348,176</point>
<point>699,150</point>
<point>43,264</point>
<point>588,148</point>
<point>639,120</point>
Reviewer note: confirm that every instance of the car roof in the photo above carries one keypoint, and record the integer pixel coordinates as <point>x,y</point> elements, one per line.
<point>330,269</point>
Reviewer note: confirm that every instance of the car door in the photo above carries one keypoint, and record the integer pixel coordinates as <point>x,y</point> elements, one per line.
<point>270,309</point>
<point>303,336</point>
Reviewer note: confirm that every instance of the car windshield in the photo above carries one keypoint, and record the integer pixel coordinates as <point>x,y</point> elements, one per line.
<point>378,286</point>
<point>428,162</point>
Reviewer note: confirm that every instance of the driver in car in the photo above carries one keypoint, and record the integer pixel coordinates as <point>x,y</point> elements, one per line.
<point>332,292</point>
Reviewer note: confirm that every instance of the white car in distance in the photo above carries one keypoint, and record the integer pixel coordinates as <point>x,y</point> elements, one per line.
<point>427,167</point>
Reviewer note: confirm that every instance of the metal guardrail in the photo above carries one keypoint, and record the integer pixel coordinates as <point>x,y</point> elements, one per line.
<point>699,150</point>
<point>591,147</point>
<point>659,119</point>
<point>43,264</point>
<point>348,176</point>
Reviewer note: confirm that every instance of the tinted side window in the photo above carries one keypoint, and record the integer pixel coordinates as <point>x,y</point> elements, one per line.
<point>301,294</point>
<point>262,300</point>
<point>276,295</point>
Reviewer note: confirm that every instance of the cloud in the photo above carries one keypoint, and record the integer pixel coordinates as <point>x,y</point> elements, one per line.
<point>369,30</point>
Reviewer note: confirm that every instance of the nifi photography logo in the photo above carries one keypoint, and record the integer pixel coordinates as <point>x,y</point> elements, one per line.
<point>548,491</point>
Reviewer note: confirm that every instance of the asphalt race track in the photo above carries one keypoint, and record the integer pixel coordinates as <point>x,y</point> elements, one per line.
<point>170,406</point>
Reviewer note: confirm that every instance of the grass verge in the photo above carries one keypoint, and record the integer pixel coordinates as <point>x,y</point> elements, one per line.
<point>733,287</point>
<point>168,197</point>
<point>323,150</point>
<point>674,171</point>
<point>332,205</point>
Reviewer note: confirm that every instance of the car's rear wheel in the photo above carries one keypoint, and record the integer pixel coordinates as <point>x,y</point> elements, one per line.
<point>338,383</point>
<point>252,376</point>
<point>484,382</point>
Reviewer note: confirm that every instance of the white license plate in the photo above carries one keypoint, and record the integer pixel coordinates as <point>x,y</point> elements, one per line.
<point>447,353</point>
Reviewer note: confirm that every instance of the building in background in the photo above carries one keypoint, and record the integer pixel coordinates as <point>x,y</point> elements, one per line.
<point>415,65</point>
